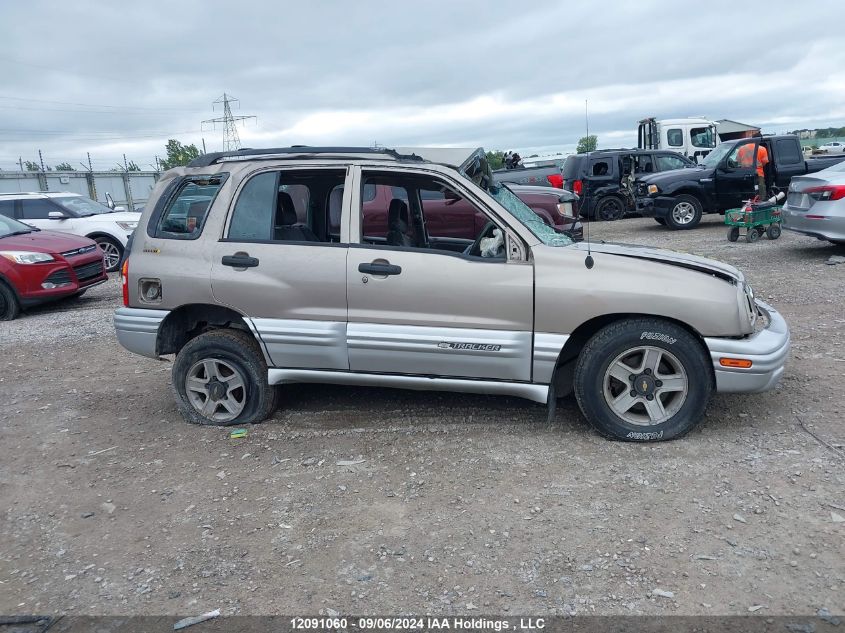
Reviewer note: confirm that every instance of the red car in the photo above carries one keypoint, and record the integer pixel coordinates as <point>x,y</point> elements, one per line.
<point>39,266</point>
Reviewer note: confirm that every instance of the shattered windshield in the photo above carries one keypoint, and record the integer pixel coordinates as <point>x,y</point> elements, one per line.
<point>522,212</point>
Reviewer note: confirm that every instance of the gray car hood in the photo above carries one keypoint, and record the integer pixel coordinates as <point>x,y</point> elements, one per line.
<point>662,256</point>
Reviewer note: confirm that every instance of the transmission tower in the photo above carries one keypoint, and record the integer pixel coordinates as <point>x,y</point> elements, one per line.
<point>231,140</point>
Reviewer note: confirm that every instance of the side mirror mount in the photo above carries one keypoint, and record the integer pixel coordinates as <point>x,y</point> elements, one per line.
<point>116,209</point>
<point>56,215</point>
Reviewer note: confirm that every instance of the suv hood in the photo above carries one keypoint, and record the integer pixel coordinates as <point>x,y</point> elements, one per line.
<point>120,216</point>
<point>675,175</point>
<point>671,258</point>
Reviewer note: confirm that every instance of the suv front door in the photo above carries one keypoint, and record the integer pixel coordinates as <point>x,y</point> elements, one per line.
<point>416,309</point>
<point>276,265</point>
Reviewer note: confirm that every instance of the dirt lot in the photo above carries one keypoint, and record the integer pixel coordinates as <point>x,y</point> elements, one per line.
<point>111,504</point>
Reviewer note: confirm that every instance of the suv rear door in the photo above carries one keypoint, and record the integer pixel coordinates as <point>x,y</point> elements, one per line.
<point>417,309</point>
<point>277,264</point>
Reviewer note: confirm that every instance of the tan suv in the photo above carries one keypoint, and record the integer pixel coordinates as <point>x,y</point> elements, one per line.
<point>256,268</point>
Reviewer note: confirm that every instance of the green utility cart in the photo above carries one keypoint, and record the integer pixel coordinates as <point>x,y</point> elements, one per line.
<point>756,218</point>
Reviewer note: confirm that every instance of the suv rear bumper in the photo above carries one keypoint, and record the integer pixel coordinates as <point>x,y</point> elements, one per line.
<point>137,329</point>
<point>766,349</point>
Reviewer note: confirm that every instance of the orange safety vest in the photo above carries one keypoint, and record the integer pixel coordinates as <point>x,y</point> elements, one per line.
<point>762,159</point>
<point>745,157</point>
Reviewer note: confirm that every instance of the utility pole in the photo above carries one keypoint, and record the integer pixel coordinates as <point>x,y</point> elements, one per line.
<point>20,162</point>
<point>203,145</point>
<point>586,117</point>
<point>231,140</point>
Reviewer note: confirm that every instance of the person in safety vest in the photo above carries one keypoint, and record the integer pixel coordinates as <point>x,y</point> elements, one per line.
<point>745,157</point>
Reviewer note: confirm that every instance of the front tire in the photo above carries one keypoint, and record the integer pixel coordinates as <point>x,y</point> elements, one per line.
<point>773,231</point>
<point>220,379</point>
<point>112,252</point>
<point>9,306</point>
<point>642,380</point>
<point>685,213</point>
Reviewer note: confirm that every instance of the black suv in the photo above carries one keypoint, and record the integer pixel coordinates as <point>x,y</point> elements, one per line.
<point>604,179</point>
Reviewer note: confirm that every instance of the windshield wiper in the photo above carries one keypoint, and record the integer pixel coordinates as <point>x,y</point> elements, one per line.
<point>18,233</point>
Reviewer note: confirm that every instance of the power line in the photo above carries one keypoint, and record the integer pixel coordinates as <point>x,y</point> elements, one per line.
<point>97,105</point>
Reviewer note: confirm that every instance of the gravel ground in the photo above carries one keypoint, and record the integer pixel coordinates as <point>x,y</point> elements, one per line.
<point>111,504</point>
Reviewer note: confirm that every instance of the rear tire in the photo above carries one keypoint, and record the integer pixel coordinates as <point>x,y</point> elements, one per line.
<point>610,208</point>
<point>773,232</point>
<point>9,306</point>
<point>220,379</point>
<point>662,364</point>
<point>752,235</point>
<point>685,213</point>
<point>733,234</point>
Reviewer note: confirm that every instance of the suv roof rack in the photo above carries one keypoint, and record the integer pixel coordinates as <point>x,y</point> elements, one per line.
<point>248,153</point>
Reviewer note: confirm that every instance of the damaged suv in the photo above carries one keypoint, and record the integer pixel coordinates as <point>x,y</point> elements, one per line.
<point>248,293</point>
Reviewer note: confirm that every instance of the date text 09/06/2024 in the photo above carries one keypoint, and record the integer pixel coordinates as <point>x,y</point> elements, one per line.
<point>417,623</point>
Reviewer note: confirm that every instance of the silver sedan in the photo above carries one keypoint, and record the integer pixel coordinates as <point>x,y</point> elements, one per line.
<point>815,205</point>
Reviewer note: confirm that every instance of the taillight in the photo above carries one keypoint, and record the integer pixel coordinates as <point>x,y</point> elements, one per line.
<point>828,192</point>
<point>124,272</point>
<point>555,180</point>
<point>577,187</point>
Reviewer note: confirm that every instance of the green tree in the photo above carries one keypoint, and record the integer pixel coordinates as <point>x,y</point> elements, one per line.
<point>30,165</point>
<point>496,159</point>
<point>587,144</point>
<point>64,167</point>
<point>178,154</point>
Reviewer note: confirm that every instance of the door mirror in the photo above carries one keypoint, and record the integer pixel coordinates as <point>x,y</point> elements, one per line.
<point>56,215</point>
<point>109,201</point>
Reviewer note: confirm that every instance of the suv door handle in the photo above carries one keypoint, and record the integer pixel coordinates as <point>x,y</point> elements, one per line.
<point>240,261</point>
<point>379,269</point>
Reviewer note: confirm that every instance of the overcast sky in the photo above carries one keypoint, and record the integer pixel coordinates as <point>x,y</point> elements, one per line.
<point>115,77</point>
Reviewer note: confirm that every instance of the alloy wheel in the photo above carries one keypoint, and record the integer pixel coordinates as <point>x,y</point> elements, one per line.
<point>645,385</point>
<point>111,254</point>
<point>683,213</point>
<point>216,389</point>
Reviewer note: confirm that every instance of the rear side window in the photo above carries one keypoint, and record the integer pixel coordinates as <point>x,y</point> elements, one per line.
<point>675,137</point>
<point>601,168</point>
<point>666,162</point>
<point>7,208</point>
<point>187,209</point>
<point>788,152</point>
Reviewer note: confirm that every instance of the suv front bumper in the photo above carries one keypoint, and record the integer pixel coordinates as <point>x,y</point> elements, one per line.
<point>766,349</point>
<point>654,207</point>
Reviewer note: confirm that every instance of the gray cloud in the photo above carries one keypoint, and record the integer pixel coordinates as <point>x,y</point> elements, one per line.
<point>498,74</point>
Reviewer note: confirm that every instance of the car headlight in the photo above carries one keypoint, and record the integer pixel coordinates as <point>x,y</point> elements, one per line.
<point>750,304</point>
<point>128,226</point>
<point>27,257</point>
<point>652,189</point>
